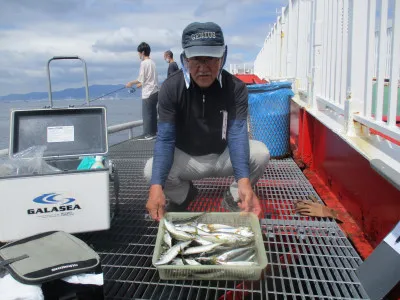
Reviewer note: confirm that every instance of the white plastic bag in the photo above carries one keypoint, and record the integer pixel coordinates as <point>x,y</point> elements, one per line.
<point>27,162</point>
<point>10,289</point>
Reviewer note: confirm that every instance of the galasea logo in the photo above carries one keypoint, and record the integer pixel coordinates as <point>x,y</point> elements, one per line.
<point>53,203</point>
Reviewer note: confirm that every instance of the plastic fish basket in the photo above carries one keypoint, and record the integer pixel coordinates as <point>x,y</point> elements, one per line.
<point>213,272</point>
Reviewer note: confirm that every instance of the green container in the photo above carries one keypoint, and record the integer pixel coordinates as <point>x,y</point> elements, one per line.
<point>214,272</point>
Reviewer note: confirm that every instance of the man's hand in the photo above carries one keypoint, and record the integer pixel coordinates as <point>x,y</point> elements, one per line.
<point>249,200</point>
<point>129,84</point>
<point>156,202</point>
<point>139,85</point>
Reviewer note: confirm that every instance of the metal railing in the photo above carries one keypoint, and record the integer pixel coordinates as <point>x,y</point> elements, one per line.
<point>340,58</point>
<point>111,129</point>
<point>241,69</point>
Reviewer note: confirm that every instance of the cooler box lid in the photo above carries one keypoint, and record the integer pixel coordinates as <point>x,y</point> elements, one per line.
<point>67,132</point>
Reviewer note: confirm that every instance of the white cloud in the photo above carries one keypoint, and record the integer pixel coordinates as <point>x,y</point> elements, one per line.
<point>126,39</point>
<point>106,34</point>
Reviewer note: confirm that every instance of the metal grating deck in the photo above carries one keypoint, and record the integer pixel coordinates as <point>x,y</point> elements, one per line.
<point>308,258</point>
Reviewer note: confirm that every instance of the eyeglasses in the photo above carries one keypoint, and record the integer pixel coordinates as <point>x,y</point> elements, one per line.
<point>199,60</point>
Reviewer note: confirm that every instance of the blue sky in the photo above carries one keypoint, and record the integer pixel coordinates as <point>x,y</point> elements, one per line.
<point>106,33</point>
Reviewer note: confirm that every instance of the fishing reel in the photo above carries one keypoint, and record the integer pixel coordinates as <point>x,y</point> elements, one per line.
<point>131,90</point>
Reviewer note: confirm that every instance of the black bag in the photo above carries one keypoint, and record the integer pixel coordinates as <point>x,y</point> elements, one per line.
<point>48,256</point>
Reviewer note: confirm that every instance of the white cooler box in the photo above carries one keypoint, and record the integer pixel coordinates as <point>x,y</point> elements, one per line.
<point>72,201</point>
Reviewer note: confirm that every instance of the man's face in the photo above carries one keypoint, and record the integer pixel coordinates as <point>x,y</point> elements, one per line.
<point>204,70</point>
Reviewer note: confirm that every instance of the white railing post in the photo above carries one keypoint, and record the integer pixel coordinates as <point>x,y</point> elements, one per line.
<point>316,53</point>
<point>380,80</point>
<point>298,54</point>
<point>394,66</point>
<point>356,67</point>
<point>311,52</point>
<point>369,62</point>
<point>339,52</point>
<point>282,59</point>
<point>335,29</point>
<point>324,49</point>
<point>330,36</point>
<point>277,31</point>
<point>388,54</point>
<point>303,37</point>
<point>344,52</point>
<point>289,39</point>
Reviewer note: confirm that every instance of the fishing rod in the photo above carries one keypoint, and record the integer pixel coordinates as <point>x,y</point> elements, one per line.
<point>131,91</point>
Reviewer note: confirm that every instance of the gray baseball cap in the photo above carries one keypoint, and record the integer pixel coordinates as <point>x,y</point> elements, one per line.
<point>203,39</point>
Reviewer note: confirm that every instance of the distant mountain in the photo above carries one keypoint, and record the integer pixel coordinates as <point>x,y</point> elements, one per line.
<point>78,93</point>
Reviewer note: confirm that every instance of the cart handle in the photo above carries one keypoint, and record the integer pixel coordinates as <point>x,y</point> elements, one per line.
<point>84,70</point>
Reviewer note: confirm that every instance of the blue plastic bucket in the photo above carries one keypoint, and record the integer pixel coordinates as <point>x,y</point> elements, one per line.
<point>269,113</point>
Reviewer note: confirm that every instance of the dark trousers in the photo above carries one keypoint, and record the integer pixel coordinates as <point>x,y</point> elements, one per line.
<point>149,114</point>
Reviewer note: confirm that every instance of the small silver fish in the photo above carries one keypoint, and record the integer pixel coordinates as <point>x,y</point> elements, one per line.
<point>167,239</point>
<point>199,249</point>
<point>203,227</point>
<point>202,241</point>
<point>209,260</point>
<point>190,262</point>
<point>243,231</point>
<point>215,261</point>
<point>251,257</point>
<point>178,234</point>
<point>227,238</point>
<point>215,227</point>
<point>246,256</point>
<point>177,262</point>
<point>186,228</point>
<point>227,256</point>
<point>172,253</point>
<point>237,263</point>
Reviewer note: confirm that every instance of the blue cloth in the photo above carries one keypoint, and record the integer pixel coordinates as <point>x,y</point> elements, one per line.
<point>163,153</point>
<point>239,149</point>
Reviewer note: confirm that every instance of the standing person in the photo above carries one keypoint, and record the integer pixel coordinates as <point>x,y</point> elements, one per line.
<point>202,130</point>
<point>172,65</point>
<point>148,81</point>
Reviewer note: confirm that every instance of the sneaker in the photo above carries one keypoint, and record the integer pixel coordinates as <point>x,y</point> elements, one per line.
<point>138,137</point>
<point>228,203</point>
<point>173,207</point>
<point>147,137</point>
